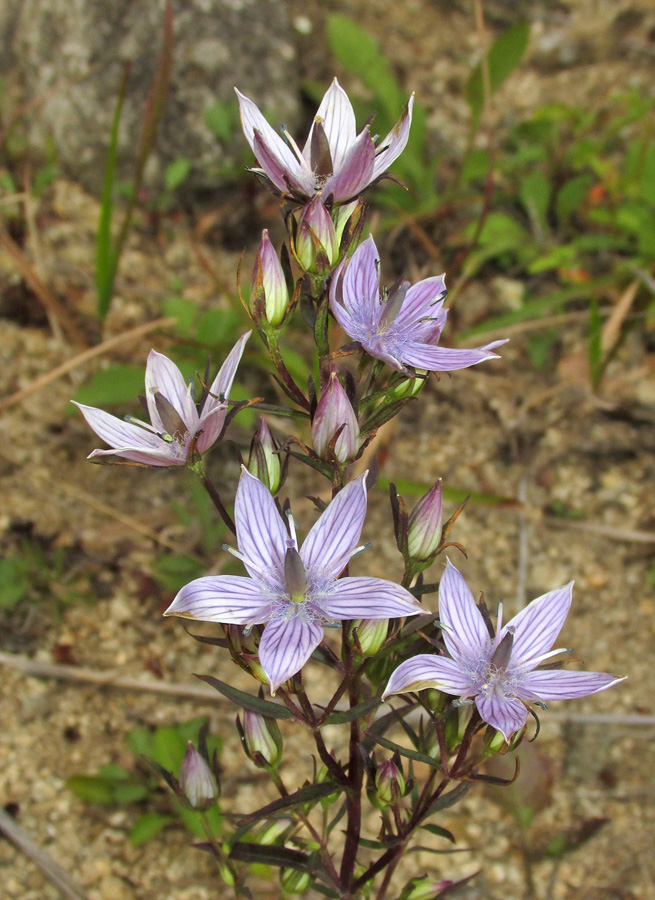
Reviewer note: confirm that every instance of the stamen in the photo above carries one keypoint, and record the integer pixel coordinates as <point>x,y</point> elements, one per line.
<point>247,629</point>
<point>233,552</point>
<point>462,701</point>
<point>499,617</point>
<point>359,550</point>
<point>292,527</point>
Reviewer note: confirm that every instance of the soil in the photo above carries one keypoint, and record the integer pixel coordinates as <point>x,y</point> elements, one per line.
<point>578,461</point>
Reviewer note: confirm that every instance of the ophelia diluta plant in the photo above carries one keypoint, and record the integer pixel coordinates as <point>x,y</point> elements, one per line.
<point>300,606</point>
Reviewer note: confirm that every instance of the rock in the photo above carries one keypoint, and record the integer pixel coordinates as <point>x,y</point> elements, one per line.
<point>70,56</point>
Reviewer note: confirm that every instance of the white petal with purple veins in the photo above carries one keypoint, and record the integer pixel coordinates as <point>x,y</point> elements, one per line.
<point>445,359</point>
<point>252,120</point>
<point>563,684</point>
<point>422,300</point>
<point>394,143</point>
<point>120,434</point>
<point>332,539</point>
<point>211,425</point>
<point>223,382</point>
<point>164,457</point>
<point>361,282</point>
<point>285,647</point>
<point>261,533</point>
<point>163,376</point>
<point>230,599</point>
<point>505,714</point>
<point>465,633</point>
<point>338,118</point>
<point>426,671</point>
<point>368,598</point>
<point>282,177</point>
<point>536,627</point>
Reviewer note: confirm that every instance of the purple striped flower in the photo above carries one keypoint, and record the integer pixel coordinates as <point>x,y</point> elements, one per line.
<point>501,673</point>
<point>335,161</point>
<point>293,591</point>
<point>175,419</point>
<point>403,327</point>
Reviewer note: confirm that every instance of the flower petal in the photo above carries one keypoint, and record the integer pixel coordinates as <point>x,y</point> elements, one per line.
<point>339,124</point>
<point>563,684</point>
<point>296,179</point>
<point>230,599</point>
<point>536,627</point>
<point>211,422</point>
<point>252,120</point>
<point>422,299</point>
<point>130,441</point>
<point>465,633</point>
<point>429,671</point>
<point>505,714</point>
<point>361,283</point>
<point>261,534</point>
<point>355,171</point>
<point>394,143</point>
<point>329,545</point>
<point>368,598</point>
<point>446,359</point>
<point>163,376</point>
<point>285,647</point>
<point>210,427</point>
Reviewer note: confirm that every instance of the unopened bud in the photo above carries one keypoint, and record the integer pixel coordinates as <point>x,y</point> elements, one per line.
<point>424,528</point>
<point>271,831</point>
<point>294,882</point>
<point>261,739</point>
<point>264,460</point>
<point>424,888</point>
<point>389,782</point>
<point>316,244</point>
<point>409,387</point>
<point>371,634</point>
<point>269,294</point>
<point>197,781</point>
<point>335,410</point>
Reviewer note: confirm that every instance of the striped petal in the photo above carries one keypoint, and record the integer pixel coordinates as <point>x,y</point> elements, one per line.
<point>330,543</point>
<point>505,714</point>
<point>361,282</point>
<point>157,458</point>
<point>561,684</point>
<point>285,647</point>
<point>368,598</point>
<point>223,382</point>
<point>338,117</point>
<point>261,534</point>
<point>446,359</point>
<point>395,142</point>
<point>163,376</point>
<point>230,599</point>
<point>536,627</point>
<point>130,441</point>
<point>295,179</point>
<point>464,631</point>
<point>429,671</point>
<point>422,300</point>
<point>253,121</point>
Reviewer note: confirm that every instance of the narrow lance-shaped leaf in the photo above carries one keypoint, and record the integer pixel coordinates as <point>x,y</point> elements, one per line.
<point>246,701</point>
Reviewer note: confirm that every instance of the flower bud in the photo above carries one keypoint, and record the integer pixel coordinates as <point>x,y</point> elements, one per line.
<point>243,651</point>
<point>371,634</point>
<point>261,739</point>
<point>316,244</point>
<point>409,387</point>
<point>424,889</point>
<point>264,461</point>
<point>424,528</point>
<point>269,294</point>
<point>389,782</point>
<point>197,781</point>
<point>294,882</point>
<point>333,411</point>
<point>341,215</point>
<point>270,832</point>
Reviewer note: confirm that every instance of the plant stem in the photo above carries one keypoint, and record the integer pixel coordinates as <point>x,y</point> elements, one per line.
<point>198,468</point>
<point>354,798</point>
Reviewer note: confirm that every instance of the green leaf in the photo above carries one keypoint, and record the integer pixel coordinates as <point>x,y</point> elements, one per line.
<point>112,386</point>
<point>14,580</point>
<point>168,748</point>
<point>173,572</point>
<point>638,221</point>
<point>448,799</point>
<point>594,347</point>
<point>148,826</point>
<point>440,832</point>
<point>271,855</point>
<point>193,820</point>
<point>455,495</point>
<point>504,56</point>
<point>218,327</point>
<point>184,311</point>
<point>246,701</point>
<point>476,165</point>
<point>176,173</point>
<point>140,741</point>
<point>221,118</point>
<point>572,194</point>
<point>107,789</point>
<point>106,257</point>
<point>557,257</point>
<point>535,192</point>
<point>339,718</point>
<point>403,751</point>
<point>309,793</point>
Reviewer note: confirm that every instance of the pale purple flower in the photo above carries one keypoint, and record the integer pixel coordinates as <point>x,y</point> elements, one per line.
<point>175,419</point>
<point>403,327</point>
<point>501,673</point>
<point>335,160</point>
<point>293,591</point>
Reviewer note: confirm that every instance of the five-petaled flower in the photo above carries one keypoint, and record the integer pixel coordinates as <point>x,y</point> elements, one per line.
<point>335,160</point>
<point>177,426</point>
<point>293,591</point>
<point>403,327</point>
<point>502,673</point>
